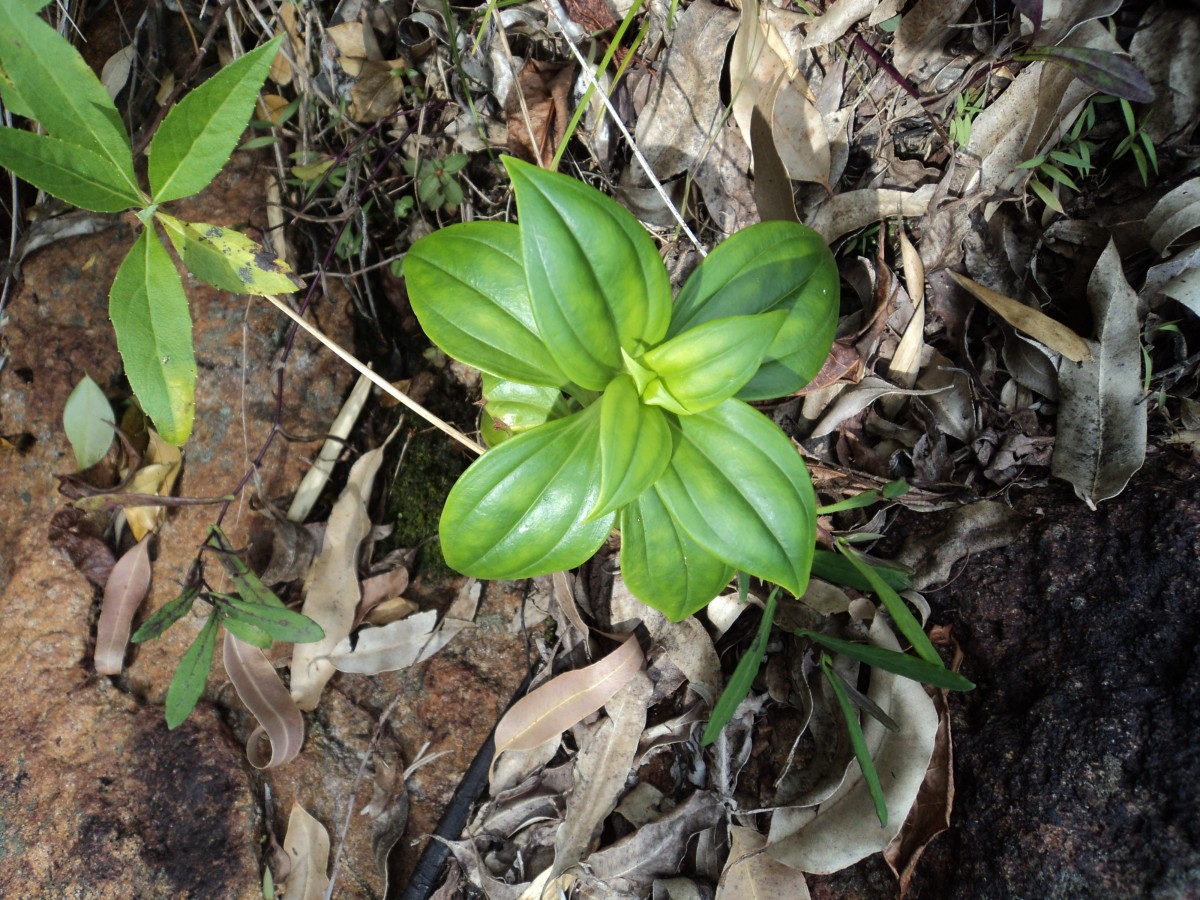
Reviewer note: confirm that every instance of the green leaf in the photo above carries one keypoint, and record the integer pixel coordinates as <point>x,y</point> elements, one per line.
<point>513,407</point>
<point>662,566</point>
<point>247,633</point>
<point>188,683</point>
<point>836,568</point>
<point>769,266</point>
<point>740,490</point>
<point>248,584</point>
<point>1109,72</point>
<point>1046,195</point>
<point>595,278</point>
<point>743,676</point>
<point>903,618</point>
<point>88,421</point>
<point>277,621</point>
<point>167,615</point>
<point>890,661</point>
<point>709,363</point>
<point>1057,174</point>
<point>66,171</point>
<point>635,446</point>
<point>149,312</point>
<point>197,137</point>
<point>61,91</point>
<point>521,509</point>
<point>467,287</point>
<point>861,752</point>
<point>227,259</point>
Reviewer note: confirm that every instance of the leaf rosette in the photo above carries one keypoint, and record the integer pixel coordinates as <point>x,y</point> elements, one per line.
<point>608,405</point>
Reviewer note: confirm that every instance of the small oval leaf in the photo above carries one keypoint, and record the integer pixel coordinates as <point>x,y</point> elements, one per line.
<point>635,445</point>
<point>88,420</point>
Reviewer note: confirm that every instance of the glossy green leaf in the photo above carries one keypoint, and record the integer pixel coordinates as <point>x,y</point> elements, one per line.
<point>743,676</point>
<point>188,684</point>
<point>661,565</point>
<point>769,266</point>
<point>595,278</point>
<point>248,633</point>
<point>892,661</point>
<point>709,363</point>
<point>248,584</point>
<point>836,568</point>
<point>277,621</point>
<point>467,287</point>
<point>88,420</point>
<point>61,91</point>
<point>167,615</point>
<point>857,740</point>
<point>739,488</point>
<point>149,312</point>
<point>228,259</point>
<point>66,171</point>
<point>521,509</point>
<point>901,615</point>
<point>515,407</point>
<point>197,137</point>
<point>635,445</point>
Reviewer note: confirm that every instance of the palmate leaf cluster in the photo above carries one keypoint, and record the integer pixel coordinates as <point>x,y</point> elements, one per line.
<point>85,159</point>
<point>609,405</point>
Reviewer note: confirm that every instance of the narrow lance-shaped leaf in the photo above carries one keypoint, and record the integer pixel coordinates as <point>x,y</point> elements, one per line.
<point>739,488</point>
<point>64,170</point>
<point>62,92</point>
<point>901,615</point>
<point>467,287</point>
<point>229,260</point>
<point>521,510</point>
<point>1109,72</point>
<point>149,312</point>
<point>861,752</point>
<point>249,585</point>
<point>836,568</point>
<point>123,594</point>
<point>88,421</point>
<point>188,684</point>
<point>635,445</point>
<point>892,661</point>
<point>197,137</point>
<point>662,566</point>
<point>743,676</point>
<point>279,622</point>
<point>595,278</point>
<point>167,615</point>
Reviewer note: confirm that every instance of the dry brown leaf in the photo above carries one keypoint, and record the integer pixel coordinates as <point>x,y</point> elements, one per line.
<point>384,586</point>
<point>545,87</point>
<point>566,700</point>
<point>658,848</point>
<point>115,74</point>
<point>70,534</point>
<point>905,362</point>
<point>856,398</point>
<point>160,468</point>
<point>1174,215</point>
<point>331,589</point>
<point>752,875</point>
<point>124,592</point>
<point>1164,47</point>
<point>259,687</point>
<point>1033,322</point>
<point>853,210</point>
<point>923,31</point>
<point>307,847</point>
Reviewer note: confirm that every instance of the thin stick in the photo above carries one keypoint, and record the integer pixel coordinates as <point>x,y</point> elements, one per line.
<point>375,379</point>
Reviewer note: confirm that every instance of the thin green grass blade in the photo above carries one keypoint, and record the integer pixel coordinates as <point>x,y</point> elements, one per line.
<point>743,676</point>
<point>896,607</point>
<point>857,740</point>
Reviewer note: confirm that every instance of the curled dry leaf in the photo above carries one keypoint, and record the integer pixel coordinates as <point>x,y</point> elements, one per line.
<point>566,700</point>
<point>69,535</point>
<point>1174,215</point>
<point>123,593</point>
<point>393,647</point>
<point>752,875</point>
<point>658,848</point>
<point>856,398</point>
<point>307,847</point>
<point>853,210</point>
<point>1028,320</point>
<point>315,479</point>
<point>256,683</point>
<point>160,468</point>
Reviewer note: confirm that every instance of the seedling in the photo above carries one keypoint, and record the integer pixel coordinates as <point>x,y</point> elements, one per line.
<point>609,406</point>
<point>436,184</point>
<point>85,159</point>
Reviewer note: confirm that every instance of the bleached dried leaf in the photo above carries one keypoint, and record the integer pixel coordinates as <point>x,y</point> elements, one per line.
<point>690,648</point>
<point>307,847</point>
<point>1101,425</point>
<point>1033,322</point>
<point>466,602</point>
<point>331,588</point>
<point>115,73</point>
<point>657,848</point>
<point>845,828</point>
<point>315,478</point>
<point>753,875</point>
<point>1174,215</point>
<point>1164,46</point>
<point>1177,277</point>
<point>393,647</point>
<point>563,587</point>
<point>853,210</point>
<point>905,363</point>
<point>856,398</point>
<point>838,18</point>
<point>259,687</point>
<point>952,400</point>
<point>517,765</point>
<point>723,611</point>
<point>798,130</point>
<point>923,31</point>
<point>601,769</point>
<point>124,592</point>
<point>566,700</point>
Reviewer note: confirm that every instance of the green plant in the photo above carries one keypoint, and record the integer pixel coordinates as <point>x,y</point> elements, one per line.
<point>85,159</point>
<point>967,106</point>
<point>610,406</point>
<point>437,188</point>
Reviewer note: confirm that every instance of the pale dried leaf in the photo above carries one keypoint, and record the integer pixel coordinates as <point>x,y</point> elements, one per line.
<point>845,828</point>
<point>1177,277</point>
<point>905,363</point>
<point>466,602</point>
<point>923,31</point>
<point>1165,46</point>
<point>395,646</point>
<point>567,699</point>
<point>983,525</point>
<point>331,588</point>
<point>723,611</point>
<point>124,592</point>
<point>753,875</point>
<point>259,687</point>
<point>951,400</point>
<point>315,478</point>
<point>307,847</point>
<point>1101,424</point>
<point>1033,322</point>
<point>856,398</point>
<point>517,765</point>
<point>115,74</point>
<point>384,586</point>
<point>853,210</point>
<point>657,848</point>
<point>1174,215</point>
<point>838,18</point>
<point>563,586</point>
<point>798,130</point>
<point>160,468</point>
